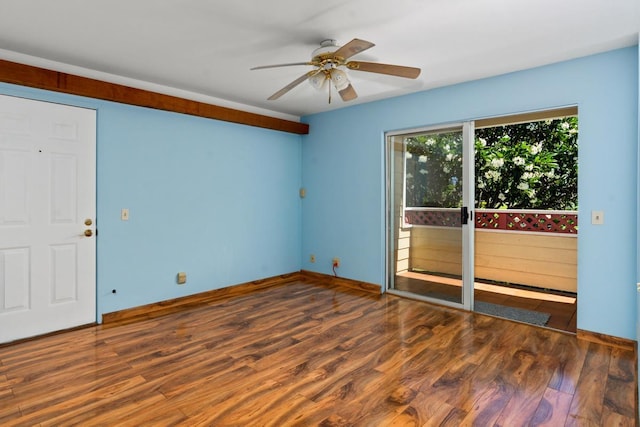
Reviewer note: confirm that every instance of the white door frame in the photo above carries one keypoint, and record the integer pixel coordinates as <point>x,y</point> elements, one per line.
<point>468,196</point>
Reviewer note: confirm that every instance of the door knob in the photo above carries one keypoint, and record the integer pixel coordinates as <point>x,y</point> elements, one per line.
<point>88,222</point>
<point>88,233</point>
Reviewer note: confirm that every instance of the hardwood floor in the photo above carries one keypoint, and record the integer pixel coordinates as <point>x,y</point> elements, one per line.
<point>315,354</point>
<point>562,310</point>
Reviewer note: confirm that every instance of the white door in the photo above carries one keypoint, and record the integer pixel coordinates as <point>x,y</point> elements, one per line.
<point>47,204</point>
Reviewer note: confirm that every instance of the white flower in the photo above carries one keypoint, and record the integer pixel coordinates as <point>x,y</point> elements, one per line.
<point>550,174</point>
<point>529,167</point>
<point>527,175</point>
<point>497,163</point>
<point>483,142</point>
<point>518,161</point>
<point>409,176</point>
<point>423,171</point>
<point>501,196</point>
<point>429,142</point>
<point>445,169</point>
<point>565,125</point>
<point>481,185</point>
<point>409,155</point>
<point>449,157</point>
<point>523,186</point>
<point>492,175</point>
<point>447,147</point>
<point>536,148</point>
<point>422,159</point>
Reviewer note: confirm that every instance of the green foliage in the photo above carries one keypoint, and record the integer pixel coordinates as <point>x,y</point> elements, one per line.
<point>523,166</point>
<point>434,170</point>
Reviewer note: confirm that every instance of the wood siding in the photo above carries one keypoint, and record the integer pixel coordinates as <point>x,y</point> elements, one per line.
<point>535,259</point>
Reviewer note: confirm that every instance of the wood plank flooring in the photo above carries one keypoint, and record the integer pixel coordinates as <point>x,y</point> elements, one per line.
<point>314,354</point>
<point>562,315</point>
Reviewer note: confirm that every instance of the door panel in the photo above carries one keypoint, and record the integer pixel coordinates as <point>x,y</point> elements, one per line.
<point>64,281</point>
<point>47,190</point>
<point>428,239</point>
<point>14,286</point>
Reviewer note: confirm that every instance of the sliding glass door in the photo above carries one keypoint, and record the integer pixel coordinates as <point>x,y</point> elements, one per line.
<point>429,232</point>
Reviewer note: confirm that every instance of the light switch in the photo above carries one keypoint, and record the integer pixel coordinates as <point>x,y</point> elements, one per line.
<point>124,214</point>
<point>597,217</point>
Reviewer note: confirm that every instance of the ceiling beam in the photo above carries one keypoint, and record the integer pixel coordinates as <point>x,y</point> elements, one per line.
<point>41,78</point>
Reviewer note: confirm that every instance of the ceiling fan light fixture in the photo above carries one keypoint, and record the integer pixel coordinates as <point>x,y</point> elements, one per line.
<point>329,61</point>
<point>339,79</point>
<point>318,80</point>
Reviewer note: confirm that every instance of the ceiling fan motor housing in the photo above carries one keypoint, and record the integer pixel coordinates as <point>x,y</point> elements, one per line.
<point>326,47</point>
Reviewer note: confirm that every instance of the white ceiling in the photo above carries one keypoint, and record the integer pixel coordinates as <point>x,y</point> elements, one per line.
<point>203,49</point>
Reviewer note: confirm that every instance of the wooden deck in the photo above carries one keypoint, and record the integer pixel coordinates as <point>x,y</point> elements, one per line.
<point>561,308</point>
<point>314,354</point>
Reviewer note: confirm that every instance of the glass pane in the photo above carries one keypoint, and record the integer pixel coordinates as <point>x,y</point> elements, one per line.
<point>526,221</point>
<point>426,229</point>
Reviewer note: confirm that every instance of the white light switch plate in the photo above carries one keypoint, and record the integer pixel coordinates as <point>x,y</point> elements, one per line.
<point>597,217</point>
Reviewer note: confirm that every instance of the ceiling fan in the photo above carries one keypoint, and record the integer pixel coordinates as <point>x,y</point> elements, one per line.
<point>328,62</point>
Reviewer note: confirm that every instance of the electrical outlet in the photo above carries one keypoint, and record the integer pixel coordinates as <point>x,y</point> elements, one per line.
<point>312,258</point>
<point>124,214</point>
<point>182,278</point>
<point>336,262</point>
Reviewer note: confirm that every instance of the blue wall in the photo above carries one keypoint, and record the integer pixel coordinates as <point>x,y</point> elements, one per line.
<point>343,172</point>
<point>216,200</point>
<point>220,201</point>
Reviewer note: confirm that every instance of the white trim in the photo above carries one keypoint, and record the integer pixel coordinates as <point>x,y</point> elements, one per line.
<point>419,297</point>
<point>468,199</point>
<point>432,209</point>
<point>421,130</point>
<point>527,211</point>
<point>537,233</point>
<point>388,171</point>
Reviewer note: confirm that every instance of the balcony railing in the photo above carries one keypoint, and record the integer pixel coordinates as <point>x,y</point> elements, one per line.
<point>544,221</point>
<point>530,247</point>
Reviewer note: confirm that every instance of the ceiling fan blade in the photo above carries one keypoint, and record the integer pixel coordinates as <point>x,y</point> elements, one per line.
<point>293,84</point>
<point>262,67</point>
<point>392,70</point>
<point>348,93</point>
<point>355,46</point>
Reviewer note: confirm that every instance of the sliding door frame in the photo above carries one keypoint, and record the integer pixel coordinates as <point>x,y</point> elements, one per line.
<point>468,201</point>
